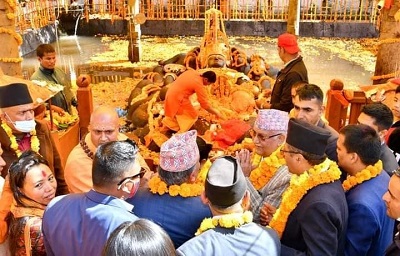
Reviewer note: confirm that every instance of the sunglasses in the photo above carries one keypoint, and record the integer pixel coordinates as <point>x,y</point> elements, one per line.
<point>261,137</point>
<point>131,178</point>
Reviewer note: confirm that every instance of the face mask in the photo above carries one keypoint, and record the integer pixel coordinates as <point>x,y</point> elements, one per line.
<point>133,190</point>
<point>23,126</point>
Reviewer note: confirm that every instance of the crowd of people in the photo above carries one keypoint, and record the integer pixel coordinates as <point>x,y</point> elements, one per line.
<point>305,188</point>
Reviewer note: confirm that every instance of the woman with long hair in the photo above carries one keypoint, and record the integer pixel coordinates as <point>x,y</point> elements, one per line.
<point>33,186</point>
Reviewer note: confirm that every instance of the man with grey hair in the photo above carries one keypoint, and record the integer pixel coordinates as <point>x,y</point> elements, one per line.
<point>231,230</point>
<point>266,171</point>
<point>80,224</point>
<point>19,131</point>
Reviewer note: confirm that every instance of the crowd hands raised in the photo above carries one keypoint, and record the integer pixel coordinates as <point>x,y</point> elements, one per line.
<point>304,189</point>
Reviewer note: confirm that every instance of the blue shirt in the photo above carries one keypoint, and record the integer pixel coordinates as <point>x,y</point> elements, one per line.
<point>369,230</point>
<point>80,224</point>
<point>249,239</point>
<point>179,216</point>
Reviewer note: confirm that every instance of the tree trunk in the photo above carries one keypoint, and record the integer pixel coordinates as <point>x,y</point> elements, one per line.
<point>9,54</point>
<point>388,57</point>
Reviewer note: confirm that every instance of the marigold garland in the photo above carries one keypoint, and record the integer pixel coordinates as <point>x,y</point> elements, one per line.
<point>226,221</point>
<point>267,169</point>
<point>35,143</point>
<point>371,171</point>
<point>16,36</point>
<point>157,186</point>
<point>326,172</point>
<point>10,16</point>
<point>11,60</point>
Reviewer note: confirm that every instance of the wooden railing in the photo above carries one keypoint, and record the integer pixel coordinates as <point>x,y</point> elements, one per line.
<point>344,106</point>
<point>36,14</point>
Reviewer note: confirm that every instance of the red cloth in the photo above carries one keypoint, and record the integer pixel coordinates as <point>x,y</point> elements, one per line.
<point>230,132</point>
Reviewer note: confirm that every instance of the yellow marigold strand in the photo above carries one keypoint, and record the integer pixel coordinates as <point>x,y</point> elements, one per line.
<point>11,60</point>
<point>16,36</point>
<point>326,172</point>
<point>233,220</point>
<point>371,171</point>
<point>267,169</point>
<point>157,186</point>
<point>35,143</point>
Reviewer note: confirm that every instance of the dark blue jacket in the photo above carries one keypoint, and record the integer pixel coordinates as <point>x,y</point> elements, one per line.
<point>318,224</point>
<point>369,229</point>
<point>179,216</point>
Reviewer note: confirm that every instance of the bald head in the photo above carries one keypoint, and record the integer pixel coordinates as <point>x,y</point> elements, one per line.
<point>104,125</point>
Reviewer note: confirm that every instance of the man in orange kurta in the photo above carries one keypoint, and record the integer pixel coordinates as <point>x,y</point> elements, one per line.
<point>180,115</point>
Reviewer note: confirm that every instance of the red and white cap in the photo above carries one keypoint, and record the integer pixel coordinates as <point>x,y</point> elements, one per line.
<point>180,152</point>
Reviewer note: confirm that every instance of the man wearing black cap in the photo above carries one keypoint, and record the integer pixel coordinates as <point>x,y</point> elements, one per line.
<point>369,230</point>
<point>231,230</point>
<point>19,132</point>
<point>312,217</point>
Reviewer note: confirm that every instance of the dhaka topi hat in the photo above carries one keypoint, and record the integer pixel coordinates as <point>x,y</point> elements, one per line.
<point>14,94</point>
<point>180,152</point>
<point>307,137</point>
<point>225,184</point>
<point>272,120</point>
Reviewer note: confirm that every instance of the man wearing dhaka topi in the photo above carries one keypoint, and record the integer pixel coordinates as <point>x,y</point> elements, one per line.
<point>312,217</point>
<point>19,131</point>
<point>268,175</point>
<point>173,197</point>
<point>231,230</point>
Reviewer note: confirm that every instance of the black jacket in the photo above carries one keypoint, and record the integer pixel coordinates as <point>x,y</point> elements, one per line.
<point>295,72</point>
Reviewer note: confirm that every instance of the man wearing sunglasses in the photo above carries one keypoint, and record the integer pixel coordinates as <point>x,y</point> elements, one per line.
<point>104,127</point>
<point>313,209</point>
<point>269,133</point>
<point>173,198</point>
<point>80,224</point>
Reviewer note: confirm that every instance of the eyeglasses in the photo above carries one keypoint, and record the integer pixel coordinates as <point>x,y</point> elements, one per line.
<point>131,178</point>
<point>289,151</point>
<point>396,172</point>
<point>261,137</point>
